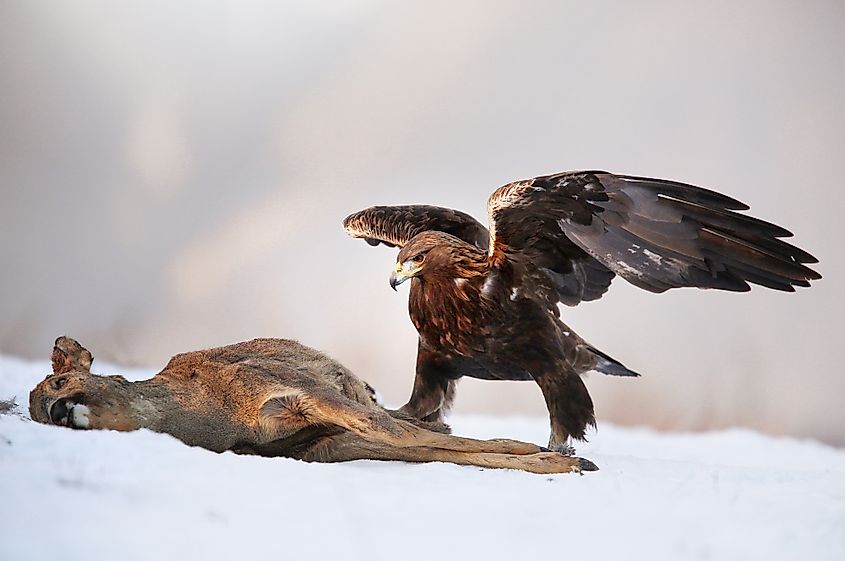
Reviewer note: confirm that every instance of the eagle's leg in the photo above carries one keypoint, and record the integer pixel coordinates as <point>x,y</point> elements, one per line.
<point>570,407</point>
<point>350,446</point>
<point>430,399</point>
<point>434,387</point>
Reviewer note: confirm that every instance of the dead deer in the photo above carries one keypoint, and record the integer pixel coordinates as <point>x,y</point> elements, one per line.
<point>271,397</point>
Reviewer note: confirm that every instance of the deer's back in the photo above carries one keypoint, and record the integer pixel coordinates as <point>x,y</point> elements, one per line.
<point>248,371</point>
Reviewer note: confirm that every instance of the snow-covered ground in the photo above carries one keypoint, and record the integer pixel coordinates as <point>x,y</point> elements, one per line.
<point>96,495</point>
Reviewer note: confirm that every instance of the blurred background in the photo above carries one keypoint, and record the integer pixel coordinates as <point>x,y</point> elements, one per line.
<point>173,176</point>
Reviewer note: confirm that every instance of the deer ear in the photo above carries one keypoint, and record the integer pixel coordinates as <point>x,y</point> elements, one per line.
<point>69,355</point>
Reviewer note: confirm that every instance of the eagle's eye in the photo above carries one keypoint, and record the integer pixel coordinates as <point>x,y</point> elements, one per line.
<point>419,258</point>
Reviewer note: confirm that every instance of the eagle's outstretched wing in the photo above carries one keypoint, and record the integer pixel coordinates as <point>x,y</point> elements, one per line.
<point>576,276</point>
<point>395,225</point>
<point>655,234</point>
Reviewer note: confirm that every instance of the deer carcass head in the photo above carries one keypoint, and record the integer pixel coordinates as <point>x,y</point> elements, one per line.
<point>74,397</point>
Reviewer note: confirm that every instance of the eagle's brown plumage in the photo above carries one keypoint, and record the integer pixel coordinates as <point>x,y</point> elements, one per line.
<point>485,304</point>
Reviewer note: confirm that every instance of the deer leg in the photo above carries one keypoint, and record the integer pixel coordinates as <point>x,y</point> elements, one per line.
<point>378,425</point>
<point>297,408</point>
<point>350,446</point>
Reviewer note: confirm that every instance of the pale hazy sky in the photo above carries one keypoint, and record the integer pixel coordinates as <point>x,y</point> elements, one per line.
<point>173,176</point>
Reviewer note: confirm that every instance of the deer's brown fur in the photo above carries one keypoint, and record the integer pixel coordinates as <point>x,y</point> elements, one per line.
<point>272,397</point>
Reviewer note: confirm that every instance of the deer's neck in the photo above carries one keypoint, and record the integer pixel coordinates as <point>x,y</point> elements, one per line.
<point>146,403</point>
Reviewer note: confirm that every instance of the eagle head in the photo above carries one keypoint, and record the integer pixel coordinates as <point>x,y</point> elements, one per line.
<point>436,254</point>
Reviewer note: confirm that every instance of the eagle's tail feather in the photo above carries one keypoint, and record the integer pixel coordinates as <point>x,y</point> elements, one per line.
<point>609,365</point>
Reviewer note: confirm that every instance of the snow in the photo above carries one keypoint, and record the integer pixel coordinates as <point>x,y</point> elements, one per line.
<point>105,495</point>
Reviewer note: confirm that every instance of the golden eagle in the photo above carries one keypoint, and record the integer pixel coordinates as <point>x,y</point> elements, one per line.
<point>485,304</point>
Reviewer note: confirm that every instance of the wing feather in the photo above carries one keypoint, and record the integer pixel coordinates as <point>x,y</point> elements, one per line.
<point>654,233</point>
<point>395,225</point>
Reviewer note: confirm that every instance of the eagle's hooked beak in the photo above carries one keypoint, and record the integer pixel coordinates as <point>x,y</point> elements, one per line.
<point>402,273</point>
